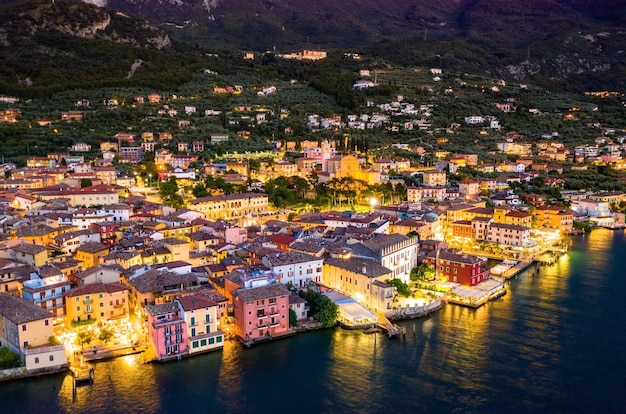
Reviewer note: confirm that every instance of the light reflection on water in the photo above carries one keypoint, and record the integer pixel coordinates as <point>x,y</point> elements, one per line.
<point>553,343</point>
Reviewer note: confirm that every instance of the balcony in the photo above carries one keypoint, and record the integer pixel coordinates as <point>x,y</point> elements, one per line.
<point>261,327</point>
<point>118,305</point>
<point>274,312</point>
<point>88,301</point>
<point>262,316</point>
<point>274,324</point>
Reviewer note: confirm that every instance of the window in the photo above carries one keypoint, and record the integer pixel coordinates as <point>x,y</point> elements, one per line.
<point>219,339</point>
<point>36,360</point>
<point>23,328</point>
<point>51,358</point>
<point>194,344</point>
<point>203,342</point>
<point>47,322</point>
<point>211,341</point>
<point>100,296</point>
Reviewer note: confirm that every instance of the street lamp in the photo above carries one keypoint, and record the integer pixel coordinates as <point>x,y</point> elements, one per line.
<point>373,203</point>
<point>150,180</point>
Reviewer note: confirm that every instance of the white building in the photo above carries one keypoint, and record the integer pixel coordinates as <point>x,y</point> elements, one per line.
<point>396,252</point>
<point>297,268</point>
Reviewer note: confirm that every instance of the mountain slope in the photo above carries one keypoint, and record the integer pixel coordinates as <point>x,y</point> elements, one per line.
<point>47,47</point>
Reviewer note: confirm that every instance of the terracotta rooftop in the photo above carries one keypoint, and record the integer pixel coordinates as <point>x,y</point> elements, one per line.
<point>163,309</point>
<point>28,248</point>
<point>95,288</point>
<point>198,301</point>
<point>365,267</point>
<point>284,258</point>
<point>92,247</point>
<point>261,292</point>
<point>19,310</point>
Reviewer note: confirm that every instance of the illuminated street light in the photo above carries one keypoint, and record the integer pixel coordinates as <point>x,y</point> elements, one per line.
<point>373,203</point>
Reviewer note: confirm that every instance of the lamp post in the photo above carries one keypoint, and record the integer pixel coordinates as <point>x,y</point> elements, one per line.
<point>150,180</point>
<point>373,203</point>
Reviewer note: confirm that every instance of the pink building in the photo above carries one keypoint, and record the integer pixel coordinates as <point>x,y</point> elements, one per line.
<point>167,330</point>
<point>261,310</point>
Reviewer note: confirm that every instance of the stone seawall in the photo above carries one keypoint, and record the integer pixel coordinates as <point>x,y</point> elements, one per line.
<point>21,373</point>
<point>413,312</point>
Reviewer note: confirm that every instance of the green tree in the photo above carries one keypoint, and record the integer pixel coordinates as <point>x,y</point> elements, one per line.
<point>327,313</point>
<point>168,191</point>
<point>85,182</point>
<point>84,338</point>
<point>293,318</point>
<point>199,190</point>
<point>401,287</point>
<point>300,186</point>
<point>425,271</point>
<point>322,308</point>
<point>106,335</point>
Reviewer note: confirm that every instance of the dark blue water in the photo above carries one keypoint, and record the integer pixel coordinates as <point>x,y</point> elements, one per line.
<point>554,343</point>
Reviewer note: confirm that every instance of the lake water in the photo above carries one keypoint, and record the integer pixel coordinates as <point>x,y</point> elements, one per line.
<point>554,343</point>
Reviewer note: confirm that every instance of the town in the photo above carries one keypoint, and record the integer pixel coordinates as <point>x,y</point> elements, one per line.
<point>163,239</point>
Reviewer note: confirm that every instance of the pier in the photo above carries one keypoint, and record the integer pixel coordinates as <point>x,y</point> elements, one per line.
<point>386,324</point>
<point>517,269</point>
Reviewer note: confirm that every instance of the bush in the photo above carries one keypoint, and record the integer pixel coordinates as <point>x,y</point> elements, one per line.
<point>8,359</point>
<point>76,324</point>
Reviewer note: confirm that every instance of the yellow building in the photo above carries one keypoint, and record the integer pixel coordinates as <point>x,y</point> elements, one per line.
<point>341,166</point>
<point>33,254</point>
<point>231,206</point>
<point>82,196</point>
<point>178,248</point>
<point>91,254</point>
<point>508,216</point>
<point>554,217</point>
<point>361,279</point>
<point>103,301</point>
<point>42,234</point>
<point>177,231</point>
<point>26,330</point>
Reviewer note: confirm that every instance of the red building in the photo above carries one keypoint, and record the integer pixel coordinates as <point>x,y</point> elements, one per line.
<point>107,232</point>
<point>261,312</point>
<point>459,268</point>
<point>261,305</point>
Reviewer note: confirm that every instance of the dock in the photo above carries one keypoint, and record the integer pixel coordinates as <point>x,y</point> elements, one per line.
<point>82,375</point>
<point>517,269</point>
<point>386,324</point>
